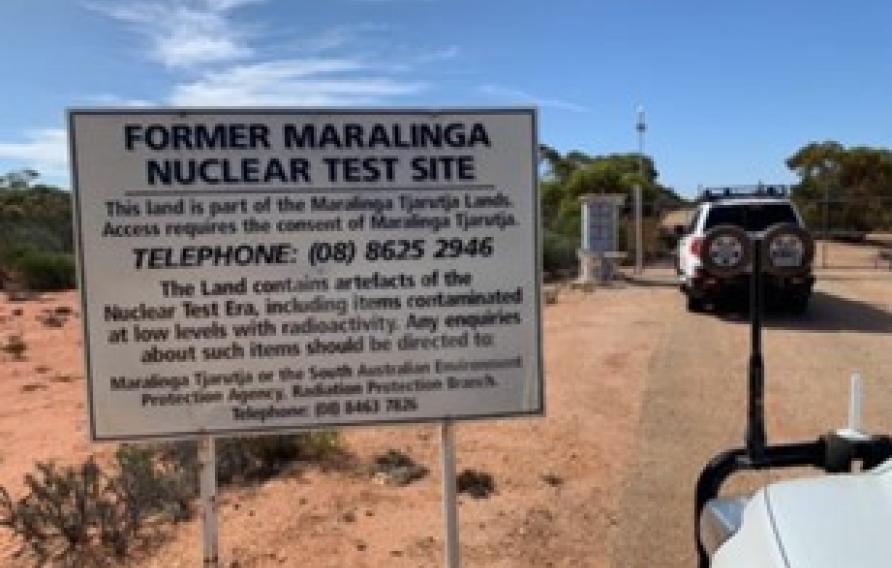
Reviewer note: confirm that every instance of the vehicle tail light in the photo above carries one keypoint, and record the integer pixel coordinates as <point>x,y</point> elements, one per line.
<point>696,246</point>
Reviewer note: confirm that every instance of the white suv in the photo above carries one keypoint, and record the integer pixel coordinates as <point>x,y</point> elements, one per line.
<point>755,212</point>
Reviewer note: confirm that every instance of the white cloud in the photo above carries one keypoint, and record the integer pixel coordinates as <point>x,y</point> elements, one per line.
<point>116,101</point>
<point>336,37</point>
<point>297,82</point>
<point>519,96</point>
<point>45,150</point>
<point>444,54</point>
<point>226,64</point>
<point>184,33</point>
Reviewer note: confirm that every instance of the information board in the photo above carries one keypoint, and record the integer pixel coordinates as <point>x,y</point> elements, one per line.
<point>271,269</point>
<point>600,222</point>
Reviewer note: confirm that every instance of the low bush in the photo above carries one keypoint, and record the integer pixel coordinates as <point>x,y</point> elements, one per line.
<point>43,270</point>
<point>558,251</point>
<point>397,468</point>
<point>15,345</point>
<point>255,458</point>
<point>75,512</point>
<point>82,515</point>
<point>477,484</point>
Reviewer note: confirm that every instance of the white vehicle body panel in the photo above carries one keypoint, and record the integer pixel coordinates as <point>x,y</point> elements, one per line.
<point>837,521</point>
<point>756,545</point>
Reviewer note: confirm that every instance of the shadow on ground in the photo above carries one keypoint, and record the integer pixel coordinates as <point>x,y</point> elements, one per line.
<point>826,313</point>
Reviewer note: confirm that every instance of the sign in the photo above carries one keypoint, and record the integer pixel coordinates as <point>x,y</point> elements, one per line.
<point>600,222</point>
<point>264,270</point>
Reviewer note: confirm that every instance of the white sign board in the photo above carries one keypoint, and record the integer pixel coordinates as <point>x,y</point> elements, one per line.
<point>262,270</point>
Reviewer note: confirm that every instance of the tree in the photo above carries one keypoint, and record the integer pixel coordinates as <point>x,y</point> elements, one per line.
<point>36,236</point>
<point>567,177</point>
<point>852,185</point>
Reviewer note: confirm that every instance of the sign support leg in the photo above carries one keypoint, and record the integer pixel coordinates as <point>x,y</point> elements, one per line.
<point>450,502</point>
<point>207,461</point>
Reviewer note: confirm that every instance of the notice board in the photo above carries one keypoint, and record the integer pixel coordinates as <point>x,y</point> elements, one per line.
<point>257,270</point>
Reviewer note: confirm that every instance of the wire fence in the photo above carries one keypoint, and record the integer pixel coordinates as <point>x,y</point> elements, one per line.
<point>849,233</point>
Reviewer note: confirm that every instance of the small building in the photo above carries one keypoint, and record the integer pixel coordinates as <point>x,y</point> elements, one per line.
<point>672,219</point>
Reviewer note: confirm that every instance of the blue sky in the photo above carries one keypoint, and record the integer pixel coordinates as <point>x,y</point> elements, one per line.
<point>730,88</point>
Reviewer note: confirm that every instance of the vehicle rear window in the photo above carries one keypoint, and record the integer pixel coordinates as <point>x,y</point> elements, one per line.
<point>751,216</point>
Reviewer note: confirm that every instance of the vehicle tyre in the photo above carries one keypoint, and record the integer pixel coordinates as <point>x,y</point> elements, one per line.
<point>786,238</point>
<point>695,305</point>
<point>798,304</point>
<point>727,251</point>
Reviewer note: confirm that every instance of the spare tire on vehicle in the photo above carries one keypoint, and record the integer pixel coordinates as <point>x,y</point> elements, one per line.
<point>787,250</point>
<point>726,251</point>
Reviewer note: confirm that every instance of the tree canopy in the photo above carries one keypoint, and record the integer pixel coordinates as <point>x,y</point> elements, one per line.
<point>36,237</point>
<point>567,177</point>
<point>856,181</point>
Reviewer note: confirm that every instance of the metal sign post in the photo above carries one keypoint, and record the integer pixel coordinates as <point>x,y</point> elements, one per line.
<point>755,430</point>
<point>207,461</point>
<point>641,128</point>
<point>450,509</point>
<point>639,232</point>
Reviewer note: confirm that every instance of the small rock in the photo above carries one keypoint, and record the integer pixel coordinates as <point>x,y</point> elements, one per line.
<point>348,517</point>
<point>552,480</point>
<point>361,546</point>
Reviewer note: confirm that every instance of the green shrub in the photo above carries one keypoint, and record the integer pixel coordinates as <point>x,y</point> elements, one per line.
<point>147,485</point>
<point>81,515</point>
<point>397,468</point>
<point>77,512</point>
<point>43,270</point>
<point>255,458</point>
<point>558,251</point>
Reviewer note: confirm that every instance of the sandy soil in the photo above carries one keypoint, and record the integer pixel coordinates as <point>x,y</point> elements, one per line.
<point>639,394</point>
<point>342,517</point>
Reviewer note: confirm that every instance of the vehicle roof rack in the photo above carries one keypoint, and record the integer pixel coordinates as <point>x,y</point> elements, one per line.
<point>743,191</point>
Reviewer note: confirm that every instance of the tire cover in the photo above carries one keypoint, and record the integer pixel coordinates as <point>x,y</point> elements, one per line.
<point>775,237</point>
<point>726,251</point>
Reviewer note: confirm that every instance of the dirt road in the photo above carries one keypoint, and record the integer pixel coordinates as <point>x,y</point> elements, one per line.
<point>694,401</point>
